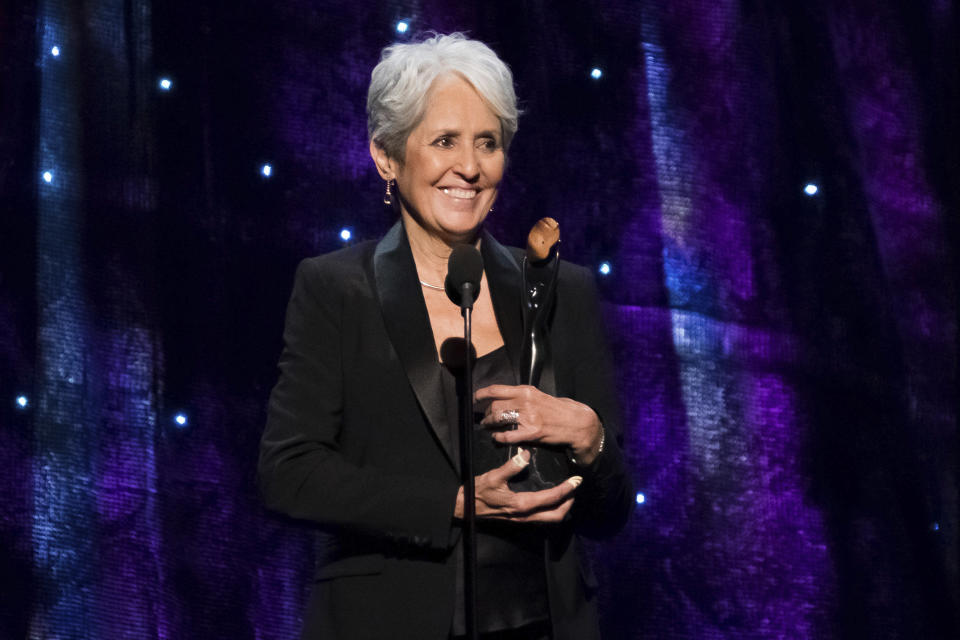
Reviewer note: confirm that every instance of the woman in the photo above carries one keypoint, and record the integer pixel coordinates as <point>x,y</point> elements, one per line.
<point>361,436</point>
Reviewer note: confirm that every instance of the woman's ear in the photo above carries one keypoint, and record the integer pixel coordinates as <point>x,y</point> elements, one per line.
<point>385,166</point>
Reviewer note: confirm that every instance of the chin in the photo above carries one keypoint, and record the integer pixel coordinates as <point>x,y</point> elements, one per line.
<point>461,225</point>
<point>451,226</point>
<point>463,231</point>
<point>459,235</point>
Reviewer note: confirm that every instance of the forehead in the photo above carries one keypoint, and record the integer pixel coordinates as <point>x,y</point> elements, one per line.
<point>452,102</point>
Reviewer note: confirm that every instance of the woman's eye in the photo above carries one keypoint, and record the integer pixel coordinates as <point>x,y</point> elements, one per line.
<point>489,144</point>
<point>444,141</point>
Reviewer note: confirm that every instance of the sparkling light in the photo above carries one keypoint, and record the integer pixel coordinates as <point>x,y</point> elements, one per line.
<point>180,419</point>
<point>55,51</point>
<point>402,26</point>
<point>935,526</point>
<point>166,84</point>
<point>345,234</point>
<point>811,189</point>
<point>266,170</point>
<point>596,73</point>
<point>22,402</point>
<point>48,176</point>
<point>641,498</point>
<point>605,268</point>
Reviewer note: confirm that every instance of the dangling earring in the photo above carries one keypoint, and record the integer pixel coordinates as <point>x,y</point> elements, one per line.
<point>388,196</point>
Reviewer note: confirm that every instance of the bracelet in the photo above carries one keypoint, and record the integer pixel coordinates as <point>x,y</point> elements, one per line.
<point>603,439</point>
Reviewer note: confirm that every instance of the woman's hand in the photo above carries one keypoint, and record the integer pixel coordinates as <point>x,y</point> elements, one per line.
<point>494,499</point>
<point>541,418</point>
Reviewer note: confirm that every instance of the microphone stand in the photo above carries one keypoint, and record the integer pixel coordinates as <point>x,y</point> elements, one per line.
<point>469,487</point>
<point>462,284</point>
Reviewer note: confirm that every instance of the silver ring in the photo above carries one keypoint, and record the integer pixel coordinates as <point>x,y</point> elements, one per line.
<point>510,416</point>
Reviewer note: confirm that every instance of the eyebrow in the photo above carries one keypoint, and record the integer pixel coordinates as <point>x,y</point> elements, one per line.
<point>486,133</point>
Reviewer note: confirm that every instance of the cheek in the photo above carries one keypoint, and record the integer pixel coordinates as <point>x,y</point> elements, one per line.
<point>431,171</point>
<point>419,167</point>
<point>494,171</point>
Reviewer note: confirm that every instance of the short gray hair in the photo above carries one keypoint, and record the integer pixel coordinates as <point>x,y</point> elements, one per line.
<point>400,82</point>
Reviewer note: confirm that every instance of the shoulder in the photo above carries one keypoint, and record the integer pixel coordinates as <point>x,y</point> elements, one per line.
<point>337,268</point>
<point>578,301</point>
<point>574,275</point>
<point>342,261</point>
<point>330,279</point>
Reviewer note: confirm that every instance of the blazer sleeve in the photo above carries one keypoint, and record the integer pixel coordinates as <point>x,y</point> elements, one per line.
<point>606,498</point>
<point>302,471</point>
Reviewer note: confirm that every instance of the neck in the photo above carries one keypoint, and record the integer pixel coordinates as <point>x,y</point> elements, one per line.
<point>430,252</point>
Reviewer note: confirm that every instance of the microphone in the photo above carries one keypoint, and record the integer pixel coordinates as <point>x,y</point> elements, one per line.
<point>464,271</point>
<point>462,284</point>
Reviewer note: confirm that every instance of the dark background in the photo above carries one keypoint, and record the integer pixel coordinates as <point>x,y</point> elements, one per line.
<point>787,362</point>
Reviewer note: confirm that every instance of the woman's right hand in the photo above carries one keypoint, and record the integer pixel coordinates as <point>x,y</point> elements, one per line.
<point>496,500</point>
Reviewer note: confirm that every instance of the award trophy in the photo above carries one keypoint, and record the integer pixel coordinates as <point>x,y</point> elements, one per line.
<point>548,465</point>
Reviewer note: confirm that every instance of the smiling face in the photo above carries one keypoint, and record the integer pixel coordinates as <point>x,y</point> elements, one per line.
<point>453,163</point>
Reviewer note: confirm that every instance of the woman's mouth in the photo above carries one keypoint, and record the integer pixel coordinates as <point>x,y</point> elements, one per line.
<point>462,194</point>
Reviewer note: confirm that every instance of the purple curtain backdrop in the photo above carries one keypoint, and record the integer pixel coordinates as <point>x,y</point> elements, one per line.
<point>788,363</point>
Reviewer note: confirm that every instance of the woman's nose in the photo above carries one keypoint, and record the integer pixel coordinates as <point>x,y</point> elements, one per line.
<point>467,164</point>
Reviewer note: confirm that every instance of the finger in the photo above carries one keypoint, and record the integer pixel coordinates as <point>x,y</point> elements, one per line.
<point>510,468</point>
<point>499,391</point>
<point>557,514</point>
<point>520,434</point>
<point>501,413</point>
<point>530,502</point>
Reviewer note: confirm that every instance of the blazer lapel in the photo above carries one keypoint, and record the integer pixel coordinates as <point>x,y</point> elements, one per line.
<point>503,276</point>
<point>408,325</point>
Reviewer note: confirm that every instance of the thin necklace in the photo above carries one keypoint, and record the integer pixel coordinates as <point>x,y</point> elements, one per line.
<point>432,286</point>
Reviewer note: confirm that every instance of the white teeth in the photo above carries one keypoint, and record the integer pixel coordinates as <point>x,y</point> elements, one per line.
<point>468,194</point>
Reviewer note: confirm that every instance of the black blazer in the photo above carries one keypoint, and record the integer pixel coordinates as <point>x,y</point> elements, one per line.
<point>358,442</point>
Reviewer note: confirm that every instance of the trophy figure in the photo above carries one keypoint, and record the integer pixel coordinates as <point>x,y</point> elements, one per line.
<point>540,266</point>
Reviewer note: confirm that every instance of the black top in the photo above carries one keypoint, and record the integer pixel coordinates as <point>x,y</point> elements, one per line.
<point>357,440</point>
<point>511,579</point>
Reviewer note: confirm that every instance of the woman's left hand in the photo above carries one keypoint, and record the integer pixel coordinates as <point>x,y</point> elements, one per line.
<point>541,418</point>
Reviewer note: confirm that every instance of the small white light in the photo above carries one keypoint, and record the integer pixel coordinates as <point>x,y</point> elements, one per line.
<point>55,51</point>
<point>166,84</point>
<point>641,498</point>
<point>811,189</point>
<point>48,176</point>
<point>596,73</point>
<point>345,234</point>
<point>180,419</point>
<point>402,26</point>
<point>266,170</point>
<point>22,402</point>
<point>605,268</point>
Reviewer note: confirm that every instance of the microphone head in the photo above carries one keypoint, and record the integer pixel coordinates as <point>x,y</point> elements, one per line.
<point>464,272</point>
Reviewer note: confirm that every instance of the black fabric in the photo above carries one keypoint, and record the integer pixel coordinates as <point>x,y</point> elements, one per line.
<point>406,320</point>
<point>511,584</point>
<point>354,444</point>
<point>535,631</point>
